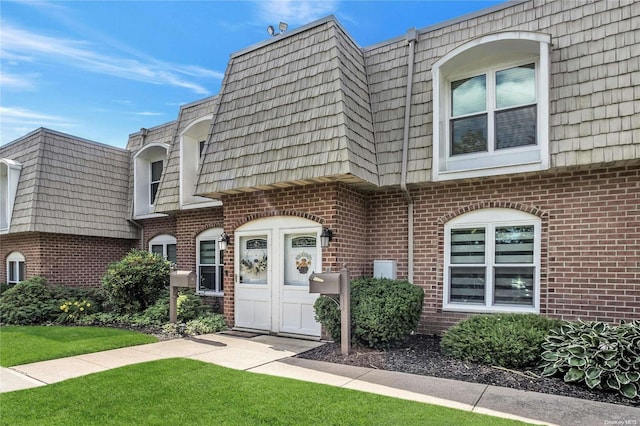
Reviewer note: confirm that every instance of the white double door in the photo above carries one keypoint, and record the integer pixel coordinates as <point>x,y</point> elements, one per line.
<point>273,260</point>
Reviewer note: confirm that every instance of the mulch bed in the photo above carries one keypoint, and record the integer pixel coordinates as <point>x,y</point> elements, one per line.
<point>421,355</point>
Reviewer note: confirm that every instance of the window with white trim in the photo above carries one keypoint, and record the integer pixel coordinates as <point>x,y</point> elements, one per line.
<point>491,107</point>
<point>165,246</point>
<point>147,173</point>
<point>15,268</point>
<point>9,175</point>
<point>492,262</point>
<point>209,260</point>
<point>192,149</point>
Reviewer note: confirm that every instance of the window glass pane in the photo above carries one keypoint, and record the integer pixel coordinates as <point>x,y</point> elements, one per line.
<point>208,252</point>
<point>467,285</point>
<point>20,271</point>
<point>253,260</point>
<point>156,171</point>
<point>514,244</point>
<point>220,278</point>
<point>157,249</point>
<point>172,255</point>
<point>201,143</point>
<point>469,96</point>
<point>467,245</point>
<point>154,192</point>
<point>516,127</point>
<point>208,278</point>
<point>469,134</point>
<point>513,286</point>
<point>12,272</point>
<point>516,86</point>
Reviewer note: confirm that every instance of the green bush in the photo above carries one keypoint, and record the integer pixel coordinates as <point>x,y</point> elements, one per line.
<point>599,355</point>
<point>28,302</point>
<point>136,282</point>
<point>4,287</point>
<point>205,324</point>
<point>506,340</point>
<point>383,312</point>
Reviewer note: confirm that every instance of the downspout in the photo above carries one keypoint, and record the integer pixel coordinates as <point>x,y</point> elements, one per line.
<point>411,40</point>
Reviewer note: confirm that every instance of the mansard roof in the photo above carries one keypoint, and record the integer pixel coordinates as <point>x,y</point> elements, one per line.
<point>70,185</point>
<point>292,111</point>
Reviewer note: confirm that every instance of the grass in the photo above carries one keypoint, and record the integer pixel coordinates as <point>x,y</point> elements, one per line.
<point>184,391</point>
<point>22,345</point>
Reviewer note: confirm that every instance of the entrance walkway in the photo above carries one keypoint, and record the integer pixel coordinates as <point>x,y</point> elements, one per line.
<point>273,355</point>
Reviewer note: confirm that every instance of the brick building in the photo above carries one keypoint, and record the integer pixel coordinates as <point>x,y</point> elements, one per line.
<point>493,160</point>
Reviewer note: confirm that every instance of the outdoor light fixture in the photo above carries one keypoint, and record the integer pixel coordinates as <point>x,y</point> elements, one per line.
<point>223,241</point>
<point>325,237</point>
<point>282,27</point>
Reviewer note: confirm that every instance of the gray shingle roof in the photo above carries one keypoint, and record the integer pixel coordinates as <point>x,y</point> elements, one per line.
<point>70,185</point>
<point>292,111</point>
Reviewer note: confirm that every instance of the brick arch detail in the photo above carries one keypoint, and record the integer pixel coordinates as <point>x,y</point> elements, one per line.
<point>160,233</point>
<point>262,215</point>
<point>204,227</point>
<point>494,205</point>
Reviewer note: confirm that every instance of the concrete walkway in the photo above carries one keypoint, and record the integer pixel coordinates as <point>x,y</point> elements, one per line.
<point>273,355</point>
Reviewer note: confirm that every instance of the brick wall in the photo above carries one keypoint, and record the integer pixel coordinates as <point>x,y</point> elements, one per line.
<point>590,238</point>
<point>70,260</point>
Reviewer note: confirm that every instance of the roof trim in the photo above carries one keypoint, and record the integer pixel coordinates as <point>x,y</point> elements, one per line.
<point>275,39</point>
<point>139,132</point>
<point>439,25</point>
<point>199,101</point>
<point>45,131</point>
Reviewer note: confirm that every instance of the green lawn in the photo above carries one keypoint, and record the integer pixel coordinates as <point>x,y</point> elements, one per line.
<point>188,392</point>
<point>22,345</point>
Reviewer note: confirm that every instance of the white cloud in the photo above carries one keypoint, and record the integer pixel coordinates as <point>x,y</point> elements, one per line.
<point>295,11</point>
<point>149,113</point>
<point>18,42</point>
<point>18,82</point>
<point>16,122</point>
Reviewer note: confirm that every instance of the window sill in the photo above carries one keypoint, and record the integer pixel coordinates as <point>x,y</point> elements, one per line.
<point>210,293</point>
<point>489,171</point>
<point>491,309</point>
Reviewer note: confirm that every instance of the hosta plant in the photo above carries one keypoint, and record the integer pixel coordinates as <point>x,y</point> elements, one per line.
<point>597,354</point>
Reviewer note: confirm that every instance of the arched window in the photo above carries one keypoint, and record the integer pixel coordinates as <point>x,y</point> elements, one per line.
<point>9,175</point>
<point>492,262</point>
<point>15,268</point>
<point>209,260</point>
<point>491,107</point>
<point>192,150</point>
<point>165,246</point>
<point>149,164</point>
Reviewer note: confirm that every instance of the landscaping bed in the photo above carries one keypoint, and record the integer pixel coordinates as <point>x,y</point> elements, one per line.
<point>421,354</point>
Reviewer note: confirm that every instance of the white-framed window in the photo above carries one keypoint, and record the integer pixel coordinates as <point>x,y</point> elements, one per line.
<point>165,246</point>
<point>491,107</point>
<point>192,150</point>
<point>209,260</point>
<point>15,268</point>
<point>148,167</point>
<point>492,262</point>
<point>9,175</point>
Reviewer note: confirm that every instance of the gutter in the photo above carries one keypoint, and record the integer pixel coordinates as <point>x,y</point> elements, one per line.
<point>137,225</point>
<point>411,40</point>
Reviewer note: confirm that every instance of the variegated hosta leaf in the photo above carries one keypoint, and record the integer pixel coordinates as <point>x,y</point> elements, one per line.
<point>573,375</point>
<point>629,390</point>
<point>577,362</point>
<point>549,356</point>
<point>592,382</point>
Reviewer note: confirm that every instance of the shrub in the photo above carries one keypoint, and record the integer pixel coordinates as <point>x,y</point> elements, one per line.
<point>599,355</point>
<point>28,302</point>
<point>135,283</point>
<point>383,312</point>
<point>506,340</point>
<point>4,287</point>
<point>205,324</point>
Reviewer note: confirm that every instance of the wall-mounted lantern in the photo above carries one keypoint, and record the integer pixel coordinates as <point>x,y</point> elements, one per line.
<point>325,237</point>
<point>223,241</point>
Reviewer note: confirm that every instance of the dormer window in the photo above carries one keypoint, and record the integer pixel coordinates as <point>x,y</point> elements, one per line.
<point>491,107</point>
<point>147,174</point>
<point>193,142</point>
<point>9,175</point>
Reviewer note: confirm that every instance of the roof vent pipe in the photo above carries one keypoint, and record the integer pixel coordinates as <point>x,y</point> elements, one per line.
<point>411,40</point>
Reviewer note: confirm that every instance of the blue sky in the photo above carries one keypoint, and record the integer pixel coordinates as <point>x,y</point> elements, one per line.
<point>103,69</point>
